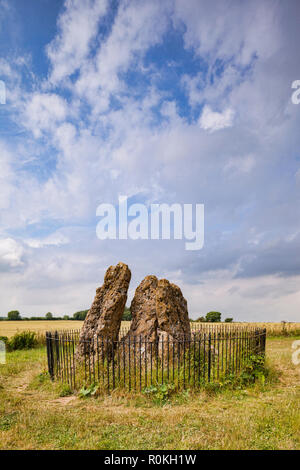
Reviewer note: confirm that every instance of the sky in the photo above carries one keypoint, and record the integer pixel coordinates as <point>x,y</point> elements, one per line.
<point>164,102</point>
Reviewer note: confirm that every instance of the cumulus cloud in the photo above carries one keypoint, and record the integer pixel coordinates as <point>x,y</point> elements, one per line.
<point>223,29</point>
<point>77,26</point>
<point>213,121</point>
<point>56,239</point>
<point>43,111</point>
<point>11,253</point>
<point>137,26</point>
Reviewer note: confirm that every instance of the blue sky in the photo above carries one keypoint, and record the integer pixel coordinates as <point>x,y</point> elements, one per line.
<point>165,102</point>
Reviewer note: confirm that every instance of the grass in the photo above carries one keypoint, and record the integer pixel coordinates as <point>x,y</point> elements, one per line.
<point>37,414</point>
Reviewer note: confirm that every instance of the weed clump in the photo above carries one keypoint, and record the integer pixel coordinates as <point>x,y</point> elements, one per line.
<point>160,394</point>
<point>22,340</point>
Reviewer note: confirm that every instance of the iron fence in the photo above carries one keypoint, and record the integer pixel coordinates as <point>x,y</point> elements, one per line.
<point>135,363</point>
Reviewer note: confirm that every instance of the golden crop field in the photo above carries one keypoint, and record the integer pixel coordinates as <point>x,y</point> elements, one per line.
<point>273,328</point>
<point>9,328</point>
<point>282,327</point>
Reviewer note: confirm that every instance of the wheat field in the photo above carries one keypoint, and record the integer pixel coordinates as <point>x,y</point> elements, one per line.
<point>273,328</point>
<point>9,328</point>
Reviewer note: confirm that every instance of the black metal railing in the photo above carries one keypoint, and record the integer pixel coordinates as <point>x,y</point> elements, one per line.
<point>136,363</point>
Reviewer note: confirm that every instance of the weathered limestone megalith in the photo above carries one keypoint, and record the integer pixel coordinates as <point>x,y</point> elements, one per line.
<point>171,311</point>
<point>104,317</point>
<point>159,310</point>
<point>143,310</point>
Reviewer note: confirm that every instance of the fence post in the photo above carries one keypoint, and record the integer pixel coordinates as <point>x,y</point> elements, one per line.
<point>209,356</point>
<point>257,345</point>
<point>48,351</point>
<point>263,345</point>
<point>50,354</point>
<point>56,339</point>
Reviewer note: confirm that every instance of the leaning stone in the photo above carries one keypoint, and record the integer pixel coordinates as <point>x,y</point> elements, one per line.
<point>104,318</point>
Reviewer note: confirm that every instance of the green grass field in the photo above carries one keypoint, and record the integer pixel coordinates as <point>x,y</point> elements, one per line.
<point>34,414</point>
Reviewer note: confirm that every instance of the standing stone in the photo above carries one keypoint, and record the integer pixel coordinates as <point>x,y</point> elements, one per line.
<point>159,310</point>
<point>105,315</point>
<point>171,311</point>
<point>143,310</point>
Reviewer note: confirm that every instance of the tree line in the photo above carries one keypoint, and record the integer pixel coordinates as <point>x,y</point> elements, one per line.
<point>213,317</point>
<point>14,315</point>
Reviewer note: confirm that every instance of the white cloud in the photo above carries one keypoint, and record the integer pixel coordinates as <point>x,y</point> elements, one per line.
<point>43,111</point>
<point>225,29</point>
<point>5,68</point>
<point>137,26</point>
<point>213,121</point>
<point>266,298</point>
<point>11,253</point>
<point>55,239</point>
<point>77,26</point>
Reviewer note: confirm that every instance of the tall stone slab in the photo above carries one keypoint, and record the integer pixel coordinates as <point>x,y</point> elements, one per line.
<point>159,310</point>
<point>171,311</point>
<point>105,315</point>
<point>143,310</point>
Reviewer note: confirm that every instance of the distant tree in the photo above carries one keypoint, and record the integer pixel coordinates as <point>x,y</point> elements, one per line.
<point>127,314</point>
<point>14,315</point>
<point>200,319</point>
<point>80,315</point>
<point>66,317</point>
<point>228,320</point>
<point>49,316</point>
<point>213,317</point>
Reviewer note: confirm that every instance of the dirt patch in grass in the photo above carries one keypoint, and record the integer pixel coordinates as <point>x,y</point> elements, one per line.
<point>63,400</point>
